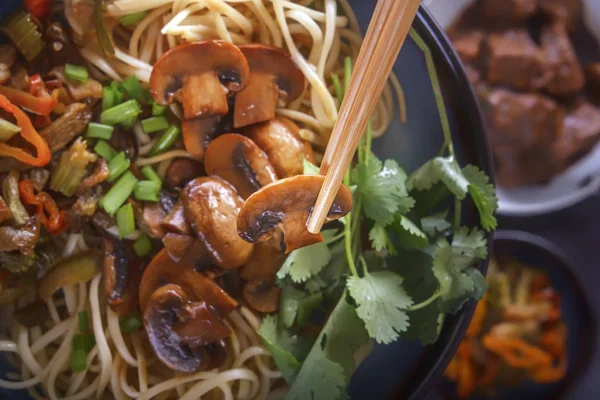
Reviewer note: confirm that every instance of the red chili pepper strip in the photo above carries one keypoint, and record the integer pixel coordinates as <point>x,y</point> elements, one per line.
<point>54,220</point>
<point>38,8</point>
<point>28,133</point>
<point>35,84</point>
<point>37,105</point>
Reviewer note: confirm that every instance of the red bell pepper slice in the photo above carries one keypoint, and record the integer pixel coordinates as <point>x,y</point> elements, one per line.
<point>54,220</point>
<point>37,105</point>
<point>28,133</point>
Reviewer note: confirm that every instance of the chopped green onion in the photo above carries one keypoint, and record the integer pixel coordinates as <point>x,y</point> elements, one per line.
<point>104,150</point>
<point>78,354</point>
<point>99,131</point>
<point>133,87</point>
<point>143,245</point>
<point>166,140</point>
<point>158,109</point>
<point>117,165</point>
<point>131,323</point>
<point>84,324</point>
<point>128,124</point>
<point>89,341</point>
<point>121,113</point>
<point>76,73</point>
<point>131,19</point>
<point>7,130</point>
<point>125,220</point>
<point>337,85</point>
<point>149,173</point>
<point>154,124</point>
<point>108,98</point>
<point>147,191</point>
<point>148,96</point>
<point>118,92</point>
<point>117,194</point>
<point>347,73</point>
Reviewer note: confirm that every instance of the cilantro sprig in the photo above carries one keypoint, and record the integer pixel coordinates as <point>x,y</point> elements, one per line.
<point>398,264</point>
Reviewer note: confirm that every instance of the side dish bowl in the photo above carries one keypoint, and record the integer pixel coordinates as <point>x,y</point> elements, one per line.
<point>576,183</point>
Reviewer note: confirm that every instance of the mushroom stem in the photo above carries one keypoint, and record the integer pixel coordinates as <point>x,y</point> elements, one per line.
<point>257,103</point>
<point>203,95</point>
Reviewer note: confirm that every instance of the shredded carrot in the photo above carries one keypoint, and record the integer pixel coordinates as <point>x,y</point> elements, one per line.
<point>491,369</point>
<point>555,340</point>
<point>452,369</point>
<point>478,317</point>
<point>516,352</point>
<point>466,373</point>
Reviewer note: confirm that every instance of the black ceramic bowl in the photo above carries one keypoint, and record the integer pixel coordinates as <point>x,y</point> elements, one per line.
<point>405,369</point>
<point>538,252</point>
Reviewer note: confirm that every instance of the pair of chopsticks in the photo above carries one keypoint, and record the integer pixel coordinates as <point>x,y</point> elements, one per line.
<point>387,31</point>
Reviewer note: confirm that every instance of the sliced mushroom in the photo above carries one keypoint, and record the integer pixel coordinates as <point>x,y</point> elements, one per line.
<point>193,74</point>
<point>273,75</point>
<point>262,297</point>
<point>162,270</point>
<point>240,162</point>
<point>282,143</point>
<point>116,270</point>
<point>211,206</point>
<point>198,132</point>
<point>287,204</point>
<point>177,245</point>
<point>181,171</point>
<point>183,334</point>
<point>265,261</point>
<point>175,220</point>
<point>153,217</point>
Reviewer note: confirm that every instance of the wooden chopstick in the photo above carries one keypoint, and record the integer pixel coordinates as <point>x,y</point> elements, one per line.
<point>387,31</point>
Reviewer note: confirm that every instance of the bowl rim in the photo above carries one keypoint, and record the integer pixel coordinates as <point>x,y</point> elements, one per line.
<point>419,379</point>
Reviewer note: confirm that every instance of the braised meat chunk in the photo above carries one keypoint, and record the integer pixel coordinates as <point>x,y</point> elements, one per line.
<point>565,11</point>
<point>533,166</point>
<point>521,121</point>
<point>468,45</point>
<point>567,73</point>
<point>515,60</point>
<point>503,12</point>
<point>580,130</point>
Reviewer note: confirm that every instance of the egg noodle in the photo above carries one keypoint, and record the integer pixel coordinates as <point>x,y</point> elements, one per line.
<point>319,35</point>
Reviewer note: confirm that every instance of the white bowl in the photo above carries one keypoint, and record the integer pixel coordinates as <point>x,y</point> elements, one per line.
<point>580,180</point>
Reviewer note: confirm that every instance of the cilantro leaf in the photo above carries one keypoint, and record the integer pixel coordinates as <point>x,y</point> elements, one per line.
<point>444,169</point>
<point>309,168</point>
<point>285,349</point>
<point>453,268</point>
<point>483,194</point>
<point>435,223</point>
<point>381,300</point>
<point>288,305</point>
<point>411,236</point>
<point>328,367</point>
<point>425,324</point>
<point>307,261</point>
<point>382,187</point>
<point>331,275</point>
<point>380,240</point>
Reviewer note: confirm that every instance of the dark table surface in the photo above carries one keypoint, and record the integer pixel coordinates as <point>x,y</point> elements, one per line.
<point>577,231</point>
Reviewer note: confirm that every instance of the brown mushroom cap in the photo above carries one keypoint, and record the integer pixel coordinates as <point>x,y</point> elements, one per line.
<point>273,75</point>
<point>116,271</point>
<point>176,221</point>
<point>182,333</point>
<point>282,143</point>
<point>211,206</point>
<point>193,73</point>
<point>162,269</point>
<point>240,162</point>
<point>262,296</point>
<point>287,204</point>
<point>177,245</point>
<point>265,261</point>
<point>199,132</point>
<point>181,171</point>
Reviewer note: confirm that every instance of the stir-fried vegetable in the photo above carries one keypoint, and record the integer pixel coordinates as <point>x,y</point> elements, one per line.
<point>80,268</point>
<point>118,194</point>
<point>125,220</point>
<point>41,260</point>
<point>166,140</point>
<point>142,245</point>
<point>104,150</point>
<point>131,19</point>
<point>101,33</point>
<point>71,168</point>
<point>121,113</point>
<point>38,8</point>
<point>117,165</point>
<point>24,33</point>
<point>28,133</point>
<point>76,73</point>
<point>55,220</point>
<point>10,192</point>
